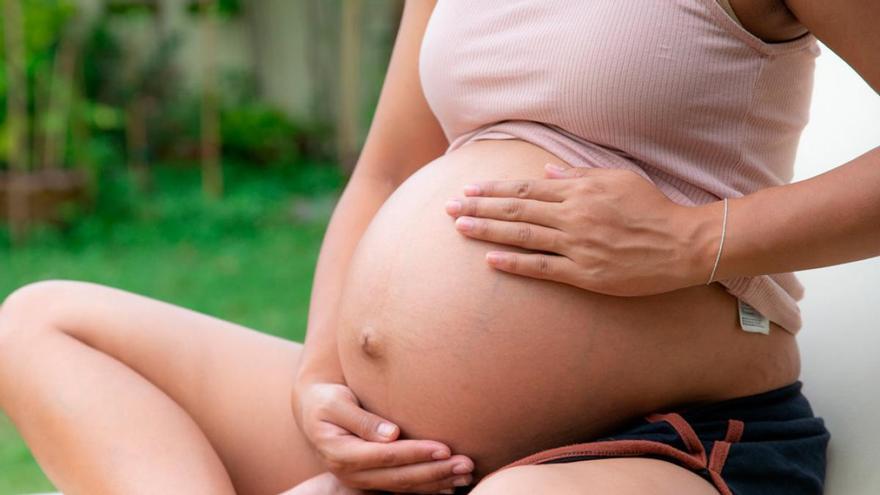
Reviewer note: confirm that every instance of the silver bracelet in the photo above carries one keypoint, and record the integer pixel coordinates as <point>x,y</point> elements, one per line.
<point>721,244</point>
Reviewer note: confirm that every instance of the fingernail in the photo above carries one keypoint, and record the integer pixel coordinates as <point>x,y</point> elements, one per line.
<point>448,491</point>
<point>453,206</point>
<point>471,189</point>
<point>440,454</point>
<point>463,481</point>
<point>465,223</point>
<point>386,429</point>
<point>461,468</point>
<point>553,167</point>
<point>495,258</point>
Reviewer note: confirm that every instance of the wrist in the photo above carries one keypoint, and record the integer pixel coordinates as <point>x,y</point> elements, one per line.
<point>303,388</point>
<point>306,376</point>
<point>703,236</point>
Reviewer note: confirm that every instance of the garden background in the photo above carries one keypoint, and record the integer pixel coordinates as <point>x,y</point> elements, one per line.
<point>188,150</point>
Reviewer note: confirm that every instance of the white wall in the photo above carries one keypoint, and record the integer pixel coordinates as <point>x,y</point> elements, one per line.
<point>840,339</point>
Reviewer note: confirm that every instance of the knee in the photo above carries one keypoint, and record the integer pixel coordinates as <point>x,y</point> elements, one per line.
<point>29,307</point>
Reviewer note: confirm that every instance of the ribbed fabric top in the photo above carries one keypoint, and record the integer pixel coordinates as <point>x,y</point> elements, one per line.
<point>674,90</point>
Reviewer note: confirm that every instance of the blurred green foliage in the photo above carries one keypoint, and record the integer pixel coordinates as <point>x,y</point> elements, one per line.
<point>251,131</point>
<point>223,7</point>
<point>259,133</point>
<point>44,21</point>
<point>109,79</point>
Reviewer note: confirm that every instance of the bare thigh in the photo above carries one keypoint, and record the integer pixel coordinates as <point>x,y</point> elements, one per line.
<point>234,382</point>
<point>613,476</point>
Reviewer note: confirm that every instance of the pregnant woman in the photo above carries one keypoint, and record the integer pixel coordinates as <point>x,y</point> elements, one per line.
<point>620,322</point>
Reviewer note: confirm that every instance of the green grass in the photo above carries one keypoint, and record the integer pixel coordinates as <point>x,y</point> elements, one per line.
<point>247,258</point>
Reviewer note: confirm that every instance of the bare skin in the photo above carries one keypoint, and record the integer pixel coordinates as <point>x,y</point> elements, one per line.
<point>154,398</point>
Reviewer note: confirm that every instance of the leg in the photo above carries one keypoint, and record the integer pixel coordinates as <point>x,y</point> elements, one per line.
<point>612,476</point>
<point>118,393</point>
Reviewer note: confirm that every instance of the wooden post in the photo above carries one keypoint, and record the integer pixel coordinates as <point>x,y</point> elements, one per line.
<point>212,173</point>
<point>322,66</point>
<point>16,101</point>
<point>136,141</point>
<point>348,113</point>
<point>60,95</point>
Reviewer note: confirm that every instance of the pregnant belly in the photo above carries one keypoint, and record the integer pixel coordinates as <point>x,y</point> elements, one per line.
<point>501,366</point>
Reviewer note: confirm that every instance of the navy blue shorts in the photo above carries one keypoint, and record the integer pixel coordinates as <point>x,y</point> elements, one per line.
<point>758,444</point>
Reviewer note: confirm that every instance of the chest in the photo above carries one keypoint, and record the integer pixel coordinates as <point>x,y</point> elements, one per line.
<point>590,66</point>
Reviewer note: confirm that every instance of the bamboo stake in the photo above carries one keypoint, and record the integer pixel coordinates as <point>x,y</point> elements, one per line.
<point>349,85</point>
<point>136,141</point>
<point>59,107</point>
<point>212,174</point>
<point>16,101</point>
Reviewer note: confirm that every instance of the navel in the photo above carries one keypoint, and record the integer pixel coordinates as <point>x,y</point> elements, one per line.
<point>370,341</point>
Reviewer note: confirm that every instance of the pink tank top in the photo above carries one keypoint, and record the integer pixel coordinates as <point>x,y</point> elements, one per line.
<point>674,90</point>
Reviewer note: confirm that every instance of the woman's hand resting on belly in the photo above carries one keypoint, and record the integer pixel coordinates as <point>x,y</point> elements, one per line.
<point>604,230</point>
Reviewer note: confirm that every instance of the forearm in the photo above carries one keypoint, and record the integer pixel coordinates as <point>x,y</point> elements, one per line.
<point>829,219</point>
<point>359,202</point>
<point>404,135</point>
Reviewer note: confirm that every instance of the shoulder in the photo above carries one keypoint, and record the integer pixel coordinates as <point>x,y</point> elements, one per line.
<point>850,28</point>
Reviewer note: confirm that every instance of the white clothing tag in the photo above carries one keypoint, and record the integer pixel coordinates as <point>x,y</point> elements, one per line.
<point>751,320</point>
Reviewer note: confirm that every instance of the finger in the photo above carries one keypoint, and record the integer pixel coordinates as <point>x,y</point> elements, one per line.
<point>444,486</point>
<point>567,171</point>
<point>543,266</point>
<point>366,425</point>
<point>542,189</point>
<point>416,477</point>
<point>522,234</point>
<point>511,209</point>
<point>349,453</point>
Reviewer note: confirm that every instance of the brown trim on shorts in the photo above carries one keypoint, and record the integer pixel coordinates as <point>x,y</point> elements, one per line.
<point>693,458</point>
